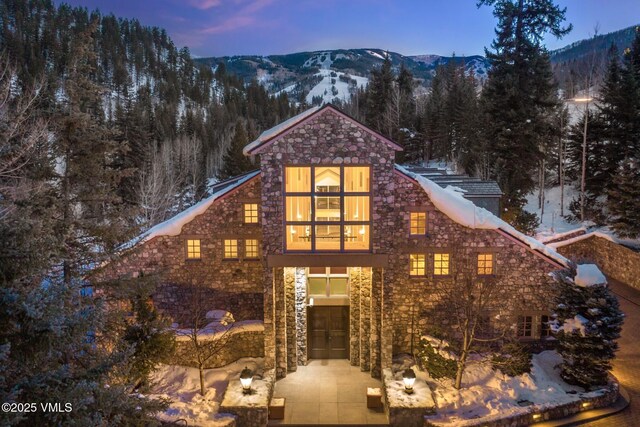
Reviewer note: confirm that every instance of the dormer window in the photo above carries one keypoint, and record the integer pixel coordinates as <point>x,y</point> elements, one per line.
<point>327,208</point>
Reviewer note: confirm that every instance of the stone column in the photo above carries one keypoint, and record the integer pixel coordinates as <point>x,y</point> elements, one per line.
<point>355,278</point>
<point>365,320</point>
<point>280,322</point>
<point>386,326</point>
<point>290,305</point>
<point>301,314</point>
<point>269,319</point>
<point>376,322</point>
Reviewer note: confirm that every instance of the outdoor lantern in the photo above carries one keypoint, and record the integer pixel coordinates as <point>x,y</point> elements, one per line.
<point>408,377</point>
<point>246,377</point>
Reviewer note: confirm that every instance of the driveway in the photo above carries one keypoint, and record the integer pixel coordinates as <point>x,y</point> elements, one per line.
<point>626,366</point>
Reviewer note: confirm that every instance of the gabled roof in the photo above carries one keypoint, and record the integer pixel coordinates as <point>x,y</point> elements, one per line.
<point>173,226</point>
<point>464,212</point>
<point>271,135</point>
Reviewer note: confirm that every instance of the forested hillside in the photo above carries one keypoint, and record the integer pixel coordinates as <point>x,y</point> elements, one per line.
<point>172,117</point>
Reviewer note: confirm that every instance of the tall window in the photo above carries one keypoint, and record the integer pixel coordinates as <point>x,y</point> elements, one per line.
<point>193,249</point>
<point>525,326</point>
<point>418,223</point>
<point>230,248</point>
<point>417,265</point>
<point>545,328</point>
<point>251,213</point>
<point>327,208</point>
<point>251,248</point>
<point>485,264</point>
<point>440,264</point>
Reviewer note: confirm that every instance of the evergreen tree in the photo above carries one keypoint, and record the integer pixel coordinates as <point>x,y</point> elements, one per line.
<point>235,162</point>
<point>624,199</point>
<point>587,323</point>
<point>519,100</point>
<point>379,96</point>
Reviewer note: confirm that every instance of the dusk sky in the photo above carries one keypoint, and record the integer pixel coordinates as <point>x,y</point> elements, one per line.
<point>265,27</point>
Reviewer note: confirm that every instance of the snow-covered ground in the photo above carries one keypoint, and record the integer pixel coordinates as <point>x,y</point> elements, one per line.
<point>488,394</point>
<point>551,222</point>
<point>181,385</point>
<point>331,88</point>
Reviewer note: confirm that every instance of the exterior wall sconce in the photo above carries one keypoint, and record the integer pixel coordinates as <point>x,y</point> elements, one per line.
<point>246,377</point>
<point>408,378</point>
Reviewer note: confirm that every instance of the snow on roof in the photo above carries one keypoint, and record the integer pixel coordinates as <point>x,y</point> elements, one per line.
<point>581,237</point>
<point>173,226</point>
<point>589,275</point>
<point>466,213</point>
<point>270,133</point>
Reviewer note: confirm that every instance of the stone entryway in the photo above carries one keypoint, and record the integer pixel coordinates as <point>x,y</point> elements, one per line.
<point>328,391</point>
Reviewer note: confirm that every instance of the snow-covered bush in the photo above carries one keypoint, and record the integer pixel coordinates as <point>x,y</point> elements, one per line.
<point>434,362</point>
<point>587,323</point>
<point>513,359</point>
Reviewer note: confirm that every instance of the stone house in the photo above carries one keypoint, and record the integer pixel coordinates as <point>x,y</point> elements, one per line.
<point>336,248</point>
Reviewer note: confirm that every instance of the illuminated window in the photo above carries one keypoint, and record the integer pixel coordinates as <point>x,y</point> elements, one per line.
<point>485,264</point>
<point>418,223</point>
<point>417,265</point>
<point>193,249</point>
<point>525,326</point>
<point>327,208</point>
<point>440,264</point>
<point>230,248</point>
<point>251,213</point>
<point>251,248</point>
<point>328,281</point>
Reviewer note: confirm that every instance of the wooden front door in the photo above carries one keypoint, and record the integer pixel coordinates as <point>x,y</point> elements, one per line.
<point>328,332</point>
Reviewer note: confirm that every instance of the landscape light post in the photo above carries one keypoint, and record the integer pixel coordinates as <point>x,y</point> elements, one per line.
<point>246,377</point>
<point>408,378</point>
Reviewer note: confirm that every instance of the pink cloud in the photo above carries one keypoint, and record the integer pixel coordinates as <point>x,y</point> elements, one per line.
<point>204,4</point>
<point>230,24</point>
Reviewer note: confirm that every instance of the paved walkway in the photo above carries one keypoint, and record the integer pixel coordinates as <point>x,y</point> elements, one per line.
<point>626,366</point>
<point>328,391</point>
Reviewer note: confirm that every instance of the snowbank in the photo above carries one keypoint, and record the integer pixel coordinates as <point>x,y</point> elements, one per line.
<point>489,394</point>
<point>181,385</point>
<point>582,237</point>
<point>589,275</point>
<point>464,212</point>
<point>216,329</point>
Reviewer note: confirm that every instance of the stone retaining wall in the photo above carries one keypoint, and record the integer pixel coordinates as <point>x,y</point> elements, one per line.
<point>615,260</point>
<point>241,344</point>
<point>250,410</point>
<point>540,414</point>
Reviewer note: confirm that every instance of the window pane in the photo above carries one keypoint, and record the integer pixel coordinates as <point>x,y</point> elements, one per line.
<point>317,270</point>
<point>327,179</point>
<point>356,208</point>
<point>417,265</point>
<point>485,264</point>
<point>356,237</point>
<point>193,249</point>
<point>298,237</point>
<point>338,286</point>
<point>327,237</point>
<point>317,286</point>
<point>251,213</point>
<point>251,248</point>
<point>298,208</point>
<point>525,324</point>
<point>440,264</point>
<point>356,179</point>
<point>231,248</point>
<point>418,223</point>
<point>327,208</point>
<point>297,179</point>
<point>337,270</point>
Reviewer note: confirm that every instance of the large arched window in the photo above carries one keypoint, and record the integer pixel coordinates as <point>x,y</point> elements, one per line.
<point>328,208</point>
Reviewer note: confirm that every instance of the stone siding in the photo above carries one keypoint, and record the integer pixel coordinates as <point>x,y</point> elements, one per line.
<point>241,344</point>
<point>615,260</point>
<point>233,285</point>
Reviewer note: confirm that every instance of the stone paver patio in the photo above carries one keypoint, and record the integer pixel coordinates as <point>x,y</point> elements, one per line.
<point>329,391</point>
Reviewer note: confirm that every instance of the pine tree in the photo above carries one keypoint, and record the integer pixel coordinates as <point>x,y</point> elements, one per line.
<point>519,100</point>
<point>624,199</point>
<point>235,162</point>
<point>588,321</point>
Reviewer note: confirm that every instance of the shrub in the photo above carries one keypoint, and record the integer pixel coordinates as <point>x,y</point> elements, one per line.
<point>513,359</point>
<point>435,363</point>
